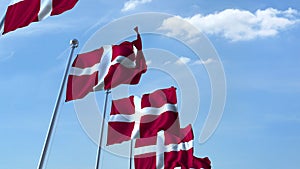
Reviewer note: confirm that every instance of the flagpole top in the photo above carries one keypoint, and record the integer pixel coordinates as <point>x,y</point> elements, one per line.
<point>74,43</point>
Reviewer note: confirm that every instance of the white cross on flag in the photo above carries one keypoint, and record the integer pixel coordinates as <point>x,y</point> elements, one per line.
<point>23,12</point>
<point>168,151</point>
<point>106,68</point>
<point>140,118</point>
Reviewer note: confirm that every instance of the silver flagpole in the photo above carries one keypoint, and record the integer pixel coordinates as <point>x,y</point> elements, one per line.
<point>102,128</point>
<point>130,154</point>
<point>74,44</point>
<point>2,21</point>
<point>2,25</point>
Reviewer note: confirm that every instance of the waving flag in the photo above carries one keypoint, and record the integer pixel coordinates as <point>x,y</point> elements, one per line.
<point>140,118</point>
<point>168,151</point>
<point>106,68</point>
<point>23,12</point>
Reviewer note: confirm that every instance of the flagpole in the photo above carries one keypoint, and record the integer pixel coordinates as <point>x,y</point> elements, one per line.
<point>102,128</point>
<point>130,154</point>
<point>2,21</point>
<point>2,25</point>
<point>74,44</point>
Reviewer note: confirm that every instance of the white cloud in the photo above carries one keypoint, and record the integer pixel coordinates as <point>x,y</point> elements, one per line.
<point>183,60</point>
<point>132,4</point>
<point>234,24</point>
<point>177,27</point>
<point>204,62</point>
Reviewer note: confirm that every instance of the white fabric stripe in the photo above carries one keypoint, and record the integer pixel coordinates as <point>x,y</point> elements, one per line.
<point>123,118</point>
<point>143,112</point>
<point>124,61</point>
<point>160,143</point>
<point>144,150</point>
<point>135,50</point>
<point>90,70</point>
<point>104,66</point>
<point>178,147</point>
<point>184,146</point>
<point>105,62</point>
<point>86,71</point>
<point>136,129</point>
<point>45,9</point>
<point>159,111</point>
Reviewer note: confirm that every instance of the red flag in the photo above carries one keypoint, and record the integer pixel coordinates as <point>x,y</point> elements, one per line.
<point>106,68</point>
<point>22,12</point>
<point>140,118</point>
<point>165,150</point>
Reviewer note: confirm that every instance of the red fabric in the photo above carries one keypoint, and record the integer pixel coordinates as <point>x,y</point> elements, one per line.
<point>159,97</point>
<point>21,14</point>
<point>147,162</point>
<point>79,86</point>
<point>123,106</point>
<point>145,142</point>
<point>185,135</point>
<point>150,125</point>
<point>119,132</point>
<point>178,158</point>
<point>124,49</point>
<point>199,163</point>
<point>60,6</point>
<point>88,59</point>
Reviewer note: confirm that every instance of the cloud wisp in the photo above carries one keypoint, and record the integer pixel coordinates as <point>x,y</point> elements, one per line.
<point>186,60</point>
<point>235,24</point>
<point>183,61</point>
<point>132,4</point>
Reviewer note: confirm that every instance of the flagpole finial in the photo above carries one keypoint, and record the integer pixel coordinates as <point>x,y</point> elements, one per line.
<point>74,43</point>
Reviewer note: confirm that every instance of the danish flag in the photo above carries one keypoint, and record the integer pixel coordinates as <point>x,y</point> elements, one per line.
<point>106,68</point>
<point>132,117</point>
<point>23,12</point>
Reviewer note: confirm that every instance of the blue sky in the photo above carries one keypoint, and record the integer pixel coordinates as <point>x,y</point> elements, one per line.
<point>256,41</point>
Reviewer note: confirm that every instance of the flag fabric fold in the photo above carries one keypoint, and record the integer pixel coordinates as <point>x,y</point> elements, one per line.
<point>168,151</point>
<point>23,12</point>
<point>141,118</point>
<point>106,68</point>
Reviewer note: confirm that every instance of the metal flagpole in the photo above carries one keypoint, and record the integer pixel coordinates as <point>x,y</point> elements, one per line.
<point>2,21</point>
<point>2,25</point>
<point>102,128</point>
<point>74,44</point>
<point>130,155</point>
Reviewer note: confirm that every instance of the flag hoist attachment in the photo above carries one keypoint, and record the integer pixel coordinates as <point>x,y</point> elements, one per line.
<point>74,44</point>
<point>101,130</point>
